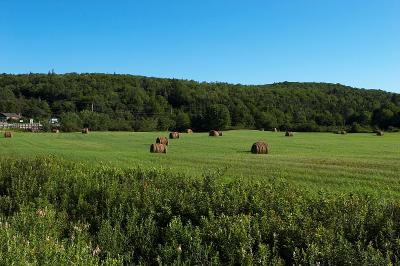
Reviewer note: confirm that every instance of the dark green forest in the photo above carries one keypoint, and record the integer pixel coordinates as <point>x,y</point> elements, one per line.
<point>126,102</point>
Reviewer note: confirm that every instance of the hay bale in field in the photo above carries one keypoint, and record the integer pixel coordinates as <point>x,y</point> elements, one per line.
<point>162,140</point>
<point>158,148</point>
<point>289,134</point>
<point>85,131</point>
<point>380,133</point>
<point>188,131</point>
<point>174,135</point>
<point>8,134</point>
<point>260,147</point>
<point>214,133</point>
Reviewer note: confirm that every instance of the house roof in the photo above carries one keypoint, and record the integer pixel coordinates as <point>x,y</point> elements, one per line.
<point>10,114</point>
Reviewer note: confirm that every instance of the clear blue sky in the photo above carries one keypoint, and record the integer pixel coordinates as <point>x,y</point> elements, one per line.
<point>353,42</point>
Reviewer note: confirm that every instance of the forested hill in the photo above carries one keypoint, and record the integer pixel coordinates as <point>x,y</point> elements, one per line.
<point>125,102</point>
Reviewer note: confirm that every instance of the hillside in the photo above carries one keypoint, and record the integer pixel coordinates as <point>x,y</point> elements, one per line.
<point>125,102</point>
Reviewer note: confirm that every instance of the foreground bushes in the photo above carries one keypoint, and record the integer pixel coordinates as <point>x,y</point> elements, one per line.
<point>54,212</point>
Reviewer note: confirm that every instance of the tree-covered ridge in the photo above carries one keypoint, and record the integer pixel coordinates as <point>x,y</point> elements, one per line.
<point>126,102</point>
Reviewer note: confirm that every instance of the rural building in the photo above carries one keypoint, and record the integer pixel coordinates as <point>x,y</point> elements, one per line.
<point>9,116</point>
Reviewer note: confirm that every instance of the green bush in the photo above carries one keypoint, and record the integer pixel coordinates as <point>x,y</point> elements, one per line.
<point>70,122</point>
<point>217,117</point>
<point>145,124</point>
<point>57,212</point>
<point>182,121</point>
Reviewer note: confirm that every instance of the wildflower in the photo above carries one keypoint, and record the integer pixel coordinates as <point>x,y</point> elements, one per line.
<point>96,251</point>
<point>40,212</point>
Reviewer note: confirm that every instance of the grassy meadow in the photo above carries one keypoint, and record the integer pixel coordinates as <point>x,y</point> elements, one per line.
<point>316,161</point>
<point>104,199</point>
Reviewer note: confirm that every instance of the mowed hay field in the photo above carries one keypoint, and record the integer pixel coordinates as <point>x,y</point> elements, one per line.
<point>363,163</point>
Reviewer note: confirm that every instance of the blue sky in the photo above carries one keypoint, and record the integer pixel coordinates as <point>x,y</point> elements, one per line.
<point>353,42</point>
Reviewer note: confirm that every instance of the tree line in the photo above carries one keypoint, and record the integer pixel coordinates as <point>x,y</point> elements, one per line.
<point>126,102</point>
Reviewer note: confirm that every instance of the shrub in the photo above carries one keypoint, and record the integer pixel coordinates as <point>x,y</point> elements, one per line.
<point>182,121</point>
<point>54,212</point>
<point>70,122</point>
<point>217,117</point>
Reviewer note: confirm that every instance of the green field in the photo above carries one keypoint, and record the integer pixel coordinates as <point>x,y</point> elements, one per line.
<point>317,161</point>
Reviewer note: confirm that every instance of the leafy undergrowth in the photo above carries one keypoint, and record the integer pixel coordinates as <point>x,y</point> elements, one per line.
<point>58,212</point>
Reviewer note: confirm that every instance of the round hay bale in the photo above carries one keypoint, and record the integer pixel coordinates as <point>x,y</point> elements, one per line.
<point>85,131</point>
<point>162,140</point>
<point>158,148</point>
<point>8,134</point>
<point>188,131</point>
<point>174,135</point>
<point>260,147</point>
<point>214,133</point>
<point>289,134</point>
<point>380,133</point>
